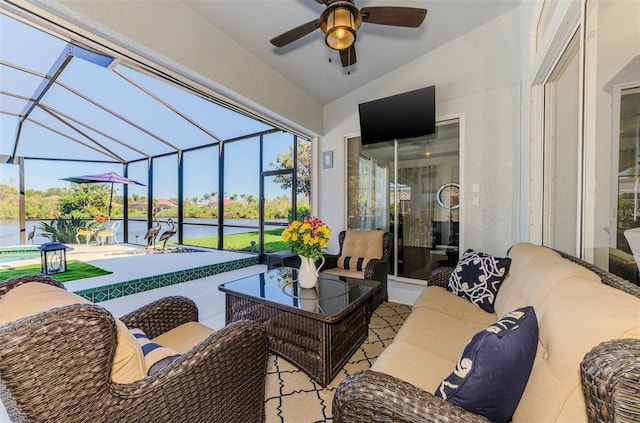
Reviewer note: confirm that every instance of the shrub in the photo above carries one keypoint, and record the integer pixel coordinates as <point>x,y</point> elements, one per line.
<point>304,211</point>
<point>62,229</point>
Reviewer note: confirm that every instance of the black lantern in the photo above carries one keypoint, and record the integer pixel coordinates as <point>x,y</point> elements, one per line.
<point>53,258</point>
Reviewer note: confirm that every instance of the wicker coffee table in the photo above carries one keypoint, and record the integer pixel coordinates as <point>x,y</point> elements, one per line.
<point>316,329</point>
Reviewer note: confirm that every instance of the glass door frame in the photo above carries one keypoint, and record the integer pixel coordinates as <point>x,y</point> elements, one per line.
<point>262,221</point>
<point>572,18</point>
<point>553,211</point>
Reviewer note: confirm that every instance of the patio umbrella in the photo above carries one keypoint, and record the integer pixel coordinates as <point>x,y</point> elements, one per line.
<point>110,177</point>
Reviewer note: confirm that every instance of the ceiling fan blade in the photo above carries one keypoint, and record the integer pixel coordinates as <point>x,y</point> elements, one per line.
<point>411,17</point>
<point>348,56</point>
<point>295,33</point>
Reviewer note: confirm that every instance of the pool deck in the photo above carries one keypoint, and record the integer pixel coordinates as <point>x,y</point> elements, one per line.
<point>140,276</point>
<point>133,263</point>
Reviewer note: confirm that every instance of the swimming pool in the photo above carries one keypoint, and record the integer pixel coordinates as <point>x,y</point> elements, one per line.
<point>8,254</point>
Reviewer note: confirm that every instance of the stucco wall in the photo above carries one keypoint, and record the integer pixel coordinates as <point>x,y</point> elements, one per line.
<point>478,77</point>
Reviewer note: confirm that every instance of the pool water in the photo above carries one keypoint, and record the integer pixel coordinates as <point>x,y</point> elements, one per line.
<point>8,254</point>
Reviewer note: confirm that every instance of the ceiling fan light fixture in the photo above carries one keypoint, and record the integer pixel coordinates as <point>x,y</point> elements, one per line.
<point>341,19</point>
<point>341,27</point>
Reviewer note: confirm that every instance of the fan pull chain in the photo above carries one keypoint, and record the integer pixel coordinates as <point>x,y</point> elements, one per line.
<point>348,71</point>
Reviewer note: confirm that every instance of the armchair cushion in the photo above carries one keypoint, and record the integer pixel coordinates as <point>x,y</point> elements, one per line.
<point>155,355</point>
<point>362,244</point>
<point>34,297</point>
<point>493,370</point>
<point>353,263</point>
<point>184,337</point>
<point>477,277</point>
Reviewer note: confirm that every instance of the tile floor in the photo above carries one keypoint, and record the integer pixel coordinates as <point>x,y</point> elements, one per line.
<point>203,291</point>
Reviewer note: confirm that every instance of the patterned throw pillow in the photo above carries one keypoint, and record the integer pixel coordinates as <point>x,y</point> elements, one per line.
<point>494,368</point>
<point>477,277</point>
<point>155,356</point>
<point>353,263</point>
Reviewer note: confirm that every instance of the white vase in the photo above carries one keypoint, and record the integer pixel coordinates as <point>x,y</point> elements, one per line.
<point>308,274</point>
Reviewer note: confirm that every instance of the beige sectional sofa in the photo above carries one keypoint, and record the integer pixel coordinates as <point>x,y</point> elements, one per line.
<point>576,310</point>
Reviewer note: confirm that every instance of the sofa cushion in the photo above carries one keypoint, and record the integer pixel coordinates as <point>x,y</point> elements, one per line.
<point>439,333</point>
<point>34,297</point>
<point>478,276</point>
<point>534,272</point>
<point>576,316</point>
<point>418,366</point>
<point>156,357</point>
<point>494,367</point>
<point>428,344</point>
<point>453,307</point>
<point>353,263</point>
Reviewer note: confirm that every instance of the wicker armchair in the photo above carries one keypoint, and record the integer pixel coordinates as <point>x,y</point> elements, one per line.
<point>55,366</point>
<point>376,269</point>
<point>610,380</point>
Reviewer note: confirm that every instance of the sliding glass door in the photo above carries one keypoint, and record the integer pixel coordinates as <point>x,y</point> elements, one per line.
<point>585,181</point>
<point>409,188</point>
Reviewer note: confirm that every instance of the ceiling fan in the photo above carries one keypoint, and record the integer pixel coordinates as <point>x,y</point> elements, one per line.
<point>341,19</point>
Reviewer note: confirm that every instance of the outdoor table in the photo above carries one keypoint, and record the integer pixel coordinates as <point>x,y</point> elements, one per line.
<point>317,329</point>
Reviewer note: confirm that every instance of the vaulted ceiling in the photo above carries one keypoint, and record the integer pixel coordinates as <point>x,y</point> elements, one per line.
<point>380,49</point>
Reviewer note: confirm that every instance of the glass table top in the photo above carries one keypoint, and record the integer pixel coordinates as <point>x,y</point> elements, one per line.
<point>331,295</point>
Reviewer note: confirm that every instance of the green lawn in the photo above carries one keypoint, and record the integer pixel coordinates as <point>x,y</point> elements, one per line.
<point>75,270</point>
<point>242,242</point>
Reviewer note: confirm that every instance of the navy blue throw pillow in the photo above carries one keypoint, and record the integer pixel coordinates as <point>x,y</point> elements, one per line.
<point>490,376</point>
<point>477,277</point>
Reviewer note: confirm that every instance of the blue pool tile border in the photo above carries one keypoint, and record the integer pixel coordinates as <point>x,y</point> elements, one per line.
<point>122,289</point>
<point>20,249</point>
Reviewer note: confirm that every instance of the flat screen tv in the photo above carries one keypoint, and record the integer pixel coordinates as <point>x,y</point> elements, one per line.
<point>407,115</point>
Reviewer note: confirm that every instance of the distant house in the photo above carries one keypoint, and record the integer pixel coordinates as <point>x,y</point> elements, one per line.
<point>162,204</point>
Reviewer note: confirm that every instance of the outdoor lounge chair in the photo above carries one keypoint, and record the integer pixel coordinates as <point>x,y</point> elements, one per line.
<point>109,233</point>
<point>87,233</point>
<point>60,364</point>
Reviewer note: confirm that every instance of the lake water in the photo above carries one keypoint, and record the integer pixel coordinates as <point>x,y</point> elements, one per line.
<point>198,228</point>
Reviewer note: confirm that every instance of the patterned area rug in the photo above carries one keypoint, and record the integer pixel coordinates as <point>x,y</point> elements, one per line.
<point>292,397</point>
